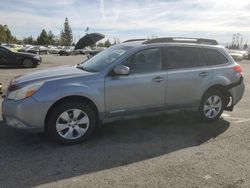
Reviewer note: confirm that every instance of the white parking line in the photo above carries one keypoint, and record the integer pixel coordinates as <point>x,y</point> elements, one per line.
<point>235,119</point>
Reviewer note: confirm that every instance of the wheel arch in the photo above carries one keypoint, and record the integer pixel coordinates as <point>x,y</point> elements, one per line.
<point>72,98</point>
<point>221,88</point>
<point>22,60</point>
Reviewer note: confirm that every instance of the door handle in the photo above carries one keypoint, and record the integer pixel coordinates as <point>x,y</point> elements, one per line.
<point>203,74</point>
<point>158,79</point>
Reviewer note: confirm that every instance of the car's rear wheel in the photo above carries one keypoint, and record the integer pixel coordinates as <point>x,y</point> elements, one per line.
<point>212,106</point>
<point>28,63</point>
<point>71,122</point>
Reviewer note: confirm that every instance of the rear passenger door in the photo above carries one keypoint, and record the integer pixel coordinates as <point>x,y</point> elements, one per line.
<point>187,76</point>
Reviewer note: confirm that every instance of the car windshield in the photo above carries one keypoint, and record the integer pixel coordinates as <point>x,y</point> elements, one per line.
<point>104,58</point>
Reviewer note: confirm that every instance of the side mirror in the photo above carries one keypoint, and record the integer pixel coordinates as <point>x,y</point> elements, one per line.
<point>121,70</point>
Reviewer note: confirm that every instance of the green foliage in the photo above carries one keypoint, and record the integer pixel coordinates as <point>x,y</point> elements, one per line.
<point>51,38</point>
<point>43,38</point>
<point>29,40</point>
<point>46,38</point>
<point>100,44</point>
<point>107,43</point>
<point>66,34</point>
<point>6,36</point>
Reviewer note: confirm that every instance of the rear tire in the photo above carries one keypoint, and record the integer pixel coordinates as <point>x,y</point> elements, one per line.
<point>71,122</point>
<point>212,106</point>
<point>28,63</point>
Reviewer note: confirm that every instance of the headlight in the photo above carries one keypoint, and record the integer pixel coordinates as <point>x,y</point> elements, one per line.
<point>37,57</point>
<point>24,92</point>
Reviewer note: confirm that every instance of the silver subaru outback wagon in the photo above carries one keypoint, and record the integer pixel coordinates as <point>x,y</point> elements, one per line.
<point>132,78</point>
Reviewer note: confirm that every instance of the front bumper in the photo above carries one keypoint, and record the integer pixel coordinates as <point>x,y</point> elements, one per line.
<point>39,60</point>
<point>27,114</point>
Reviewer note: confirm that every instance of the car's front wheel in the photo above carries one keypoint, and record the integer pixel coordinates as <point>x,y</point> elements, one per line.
<point>212,106</point>
<point>28,63</point>
<point>71,122</point>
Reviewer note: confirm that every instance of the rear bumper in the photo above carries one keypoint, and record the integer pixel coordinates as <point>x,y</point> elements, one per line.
<point>236,90</point>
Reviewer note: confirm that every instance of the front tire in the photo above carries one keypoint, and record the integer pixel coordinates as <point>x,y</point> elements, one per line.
<point>71,122</point>
<point>28,63</point>
<point>212,106</point>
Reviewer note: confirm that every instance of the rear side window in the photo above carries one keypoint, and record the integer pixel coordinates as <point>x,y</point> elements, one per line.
<point>184,57</point>
<point>214,57</point>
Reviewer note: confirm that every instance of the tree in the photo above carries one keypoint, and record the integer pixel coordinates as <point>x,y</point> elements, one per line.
<point>6,36</point>
<point>51,38</point>
<point>245,47</point>
<point>66,34</point>
<point>29,40</point>
<point>100,44</point>
<point>43,38</point>
<point>107,43</point>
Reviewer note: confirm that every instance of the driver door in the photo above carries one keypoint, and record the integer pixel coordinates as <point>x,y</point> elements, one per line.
<point>143,89</point>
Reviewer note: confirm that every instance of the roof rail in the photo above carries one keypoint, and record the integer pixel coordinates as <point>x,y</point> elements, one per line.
<point>133,40</point>
<point>182,40</point>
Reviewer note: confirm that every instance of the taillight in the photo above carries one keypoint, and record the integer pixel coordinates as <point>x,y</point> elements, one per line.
<point>237,69</point>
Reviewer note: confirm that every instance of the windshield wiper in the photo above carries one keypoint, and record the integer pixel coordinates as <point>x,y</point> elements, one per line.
<point>82,68</point>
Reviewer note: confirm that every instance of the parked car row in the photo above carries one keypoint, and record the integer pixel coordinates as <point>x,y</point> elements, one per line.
<point>60,50</point>
<point>239,55</point>
<point>40,50</point>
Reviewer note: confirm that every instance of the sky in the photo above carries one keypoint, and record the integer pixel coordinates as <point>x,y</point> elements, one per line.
<point>126,19</point>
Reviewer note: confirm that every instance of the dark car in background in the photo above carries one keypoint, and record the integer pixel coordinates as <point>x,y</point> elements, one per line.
<point>10,58</point>
<point>68,51</point>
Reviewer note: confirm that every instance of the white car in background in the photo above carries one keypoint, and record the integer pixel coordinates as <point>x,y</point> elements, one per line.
<point>236,55</point>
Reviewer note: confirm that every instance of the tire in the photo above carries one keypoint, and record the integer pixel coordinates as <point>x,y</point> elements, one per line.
<point>28,63</point>
<point>64,122</point>
<point>212,106</point>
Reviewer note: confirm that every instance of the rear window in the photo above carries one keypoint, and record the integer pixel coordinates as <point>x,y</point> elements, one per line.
<point>214,57</point>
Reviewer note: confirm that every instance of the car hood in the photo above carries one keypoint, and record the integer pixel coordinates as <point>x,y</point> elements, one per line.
<point>51,74</point>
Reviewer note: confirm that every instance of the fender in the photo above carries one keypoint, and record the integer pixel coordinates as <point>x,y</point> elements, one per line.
<point>95,94</point>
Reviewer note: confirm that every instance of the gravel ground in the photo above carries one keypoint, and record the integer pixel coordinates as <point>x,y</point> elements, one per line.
<point>164,151</point>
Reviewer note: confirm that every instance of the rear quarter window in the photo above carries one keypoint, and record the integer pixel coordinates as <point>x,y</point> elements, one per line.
<point>214,57</point>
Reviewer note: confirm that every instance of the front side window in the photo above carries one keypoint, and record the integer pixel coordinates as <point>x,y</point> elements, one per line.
<point>184,57</point>
<point>214,57</point>
<point>104,58</point>
<point>145,61</point>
